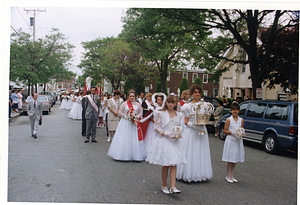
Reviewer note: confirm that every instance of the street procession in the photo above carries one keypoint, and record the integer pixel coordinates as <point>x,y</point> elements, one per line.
<point>172,106</point>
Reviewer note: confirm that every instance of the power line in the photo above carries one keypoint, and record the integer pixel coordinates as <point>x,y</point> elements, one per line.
<point>22,16</point>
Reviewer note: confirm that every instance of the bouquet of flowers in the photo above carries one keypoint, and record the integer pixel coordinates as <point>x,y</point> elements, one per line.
<point>132,116</point>
<point>239,133</point>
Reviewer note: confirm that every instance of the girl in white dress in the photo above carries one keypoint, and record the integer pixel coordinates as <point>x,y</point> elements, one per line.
<point>233,151</point>
<point>64,102</point>
<point>101,111</point>
<point>185,99</point>
<point>166,149</point>
<point>76,111</point>
<point>70,101</point>
<point>196,147</point>
<point>126,144</point>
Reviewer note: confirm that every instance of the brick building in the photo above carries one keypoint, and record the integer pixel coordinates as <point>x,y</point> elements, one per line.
<point>174,79</point>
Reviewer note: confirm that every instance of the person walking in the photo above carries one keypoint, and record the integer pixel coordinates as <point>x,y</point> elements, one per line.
<point>91,115</point>
<point>34,110</point>
<point>83,122</point>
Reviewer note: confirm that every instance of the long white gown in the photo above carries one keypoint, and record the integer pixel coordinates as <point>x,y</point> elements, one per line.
<point>76,111</point>
<point>150,136</point>
<point>64,102</point>
<point>197,152</point>
<point>70,102</point>
<point>125,145</point>
<point>233,150</point>
<point>164,150</point>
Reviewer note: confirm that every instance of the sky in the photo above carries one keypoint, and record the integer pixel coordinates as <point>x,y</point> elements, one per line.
<point>77,24</point>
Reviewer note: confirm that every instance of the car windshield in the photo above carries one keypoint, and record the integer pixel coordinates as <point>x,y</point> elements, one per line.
<point>296,113</point>
<point>42,98</point>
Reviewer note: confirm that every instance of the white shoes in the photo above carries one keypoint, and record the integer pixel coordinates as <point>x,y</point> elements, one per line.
<point>229,180</point>
<point>174,190</point>
<point>234,180</point>
<point>109,138</point>
<point>165,190</point>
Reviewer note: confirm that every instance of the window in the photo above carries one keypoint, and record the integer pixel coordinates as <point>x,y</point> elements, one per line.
<point>205,92</point>
<point>185,75</point>
<point>243,108</point>
<point>168,90</point>
<point>195,75</point>
<point>277,112</point>
<point>205,78</point>
<point>256,110</point>
<point>168,77</point>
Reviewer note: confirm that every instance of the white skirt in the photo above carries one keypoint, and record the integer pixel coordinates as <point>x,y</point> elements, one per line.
<point>125,145</point>
<point>69,104</point>
<point>63,104</point>
<point>149,137</point>
<point>197,153</point>
<point>76,112</point>
<point>233,150</point>
<point>166,152</point>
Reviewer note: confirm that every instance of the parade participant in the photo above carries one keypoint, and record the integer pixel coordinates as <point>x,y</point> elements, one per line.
<point>127,143</point>
<point>218,113</point>
<point>185,95</point>
<point>83,105</point>
<point>64,101</point>
<point>166,149</point>
<point>141,98</point>
<point>102,109</point>
<point>196,147</point>
<point>113,118</point>
<point>34,110</point>
<point>92,104</point>
<point>70,101</point>
<point>76,111</point>
<point>106,110</point>
<point>233,151</point>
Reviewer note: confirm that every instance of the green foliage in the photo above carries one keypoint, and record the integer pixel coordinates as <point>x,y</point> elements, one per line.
<point>128,86</point>
<point>183,85</point>
<point>141,88</point>
<point>41,61</point>
<point>198,81</point>
<point>158,87</point>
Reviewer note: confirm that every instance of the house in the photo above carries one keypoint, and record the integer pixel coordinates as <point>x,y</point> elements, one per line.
<point>174,79</point>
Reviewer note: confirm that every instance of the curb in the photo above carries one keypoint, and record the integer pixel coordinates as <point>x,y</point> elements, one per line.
<point>13,117</point>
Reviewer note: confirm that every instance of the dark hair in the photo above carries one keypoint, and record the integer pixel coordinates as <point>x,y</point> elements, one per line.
<point>116,92</point>
<point>235,106</point>
<point>77,94</point>
<point>33,94</point>
<point>170,99</point>
<point>88,92</point>
<point>159,95</point>
<point>194,87</point>
<point>220,102</point>
<point>95,88</point>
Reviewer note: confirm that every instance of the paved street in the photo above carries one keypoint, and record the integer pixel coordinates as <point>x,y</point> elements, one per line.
<point>59,167</point>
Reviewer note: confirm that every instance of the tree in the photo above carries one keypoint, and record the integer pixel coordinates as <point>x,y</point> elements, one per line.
<point>128,86</point>
<point>40,61</point>
<point>237,27</point>
<point>158,86</point>
<point>140,89</point>
<point>154,34</point>
<point>183,85</point>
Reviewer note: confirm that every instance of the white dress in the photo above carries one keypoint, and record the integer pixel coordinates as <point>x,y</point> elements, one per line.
<point>101,112</point>
<point>76,111</point>
<point>70,102</point>
<point>150,135</point>
<point>63,102</point>
<point>197,152</point>
<point>125,144</point>
<point>164,150</point>
<point>233,150</point>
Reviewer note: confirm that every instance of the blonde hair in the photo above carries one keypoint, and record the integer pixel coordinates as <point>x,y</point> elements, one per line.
<point>184,94</point>
<point>149,95</point>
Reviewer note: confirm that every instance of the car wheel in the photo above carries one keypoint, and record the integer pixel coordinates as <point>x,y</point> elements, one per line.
<point>222,135</point>
<point>270,143</point>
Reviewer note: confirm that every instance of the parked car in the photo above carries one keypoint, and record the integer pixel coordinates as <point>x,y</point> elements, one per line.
<point>46,106</point>
<point>270,122</point>
<point>51,95</point>
<point>214,101</point>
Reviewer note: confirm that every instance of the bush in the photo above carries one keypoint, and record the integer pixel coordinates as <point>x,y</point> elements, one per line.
<point>183,85</point>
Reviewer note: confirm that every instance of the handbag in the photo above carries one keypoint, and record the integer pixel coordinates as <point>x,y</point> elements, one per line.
<point>40,121</point>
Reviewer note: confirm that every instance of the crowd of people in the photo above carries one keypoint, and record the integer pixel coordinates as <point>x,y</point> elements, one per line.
<point>15,101</point>
<point>156,128</point>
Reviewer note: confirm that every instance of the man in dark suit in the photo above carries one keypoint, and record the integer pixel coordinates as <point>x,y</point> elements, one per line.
<point>83,123</point>
<point>34,110</point>
<point>91,114</point>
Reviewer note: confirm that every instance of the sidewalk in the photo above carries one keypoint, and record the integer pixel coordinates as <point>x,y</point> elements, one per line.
<point>14,115</point>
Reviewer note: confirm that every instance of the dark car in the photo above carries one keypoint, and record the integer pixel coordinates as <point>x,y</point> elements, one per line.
<point>270,122</point>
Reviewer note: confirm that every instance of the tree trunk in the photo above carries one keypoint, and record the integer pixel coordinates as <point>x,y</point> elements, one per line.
<point>28,91</point>
<point>44,87</point>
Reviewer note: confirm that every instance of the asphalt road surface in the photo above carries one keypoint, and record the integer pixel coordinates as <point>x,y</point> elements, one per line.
<point>59,167</point>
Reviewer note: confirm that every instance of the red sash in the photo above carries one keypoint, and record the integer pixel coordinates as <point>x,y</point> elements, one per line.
<point>144,125</point>
<point>138,126</point>
<point>181,103</point>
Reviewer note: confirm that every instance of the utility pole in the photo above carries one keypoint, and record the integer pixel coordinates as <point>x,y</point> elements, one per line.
<point>32,23</point>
